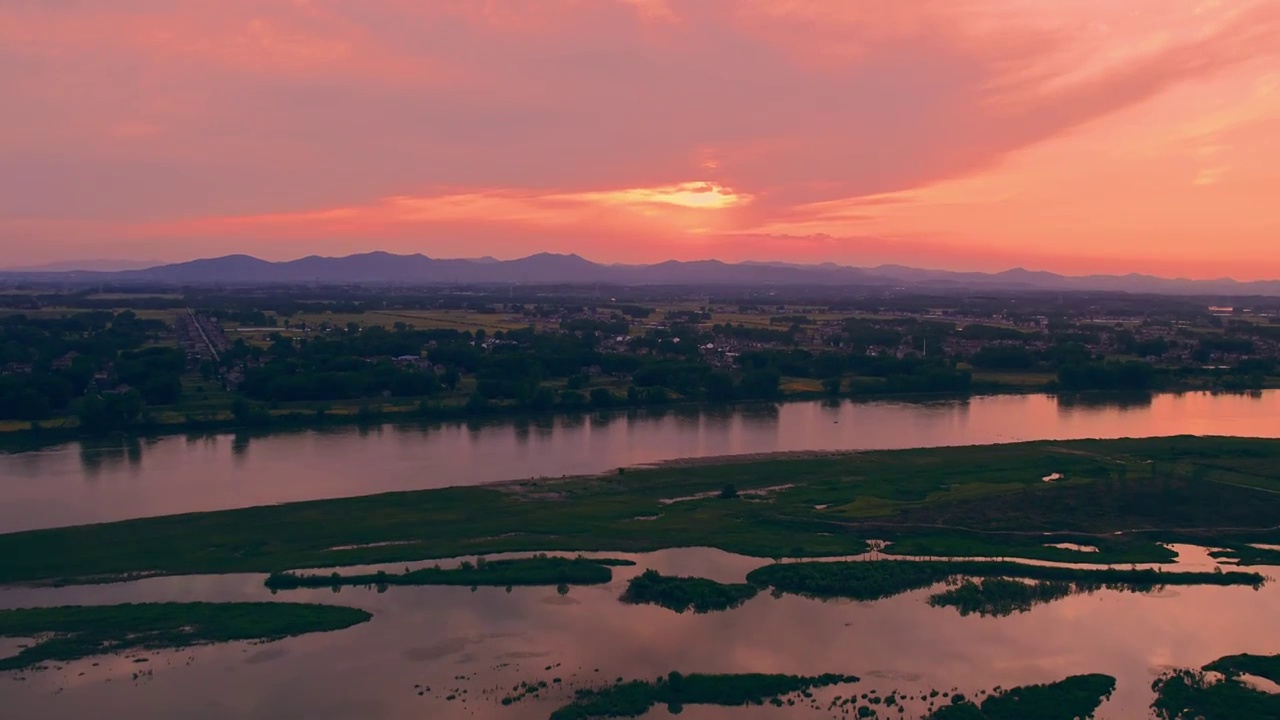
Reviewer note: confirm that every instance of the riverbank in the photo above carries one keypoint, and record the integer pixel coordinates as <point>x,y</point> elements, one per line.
<point>1121,498</point>
<point>27,436</point>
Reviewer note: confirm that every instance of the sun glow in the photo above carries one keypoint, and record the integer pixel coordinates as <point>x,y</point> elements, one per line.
<point>696,195</point>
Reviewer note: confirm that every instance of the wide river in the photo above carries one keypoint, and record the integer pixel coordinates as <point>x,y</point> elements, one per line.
<point>78,483</point>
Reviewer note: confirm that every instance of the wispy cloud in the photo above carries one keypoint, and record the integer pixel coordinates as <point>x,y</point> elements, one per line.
<point>403,123</point>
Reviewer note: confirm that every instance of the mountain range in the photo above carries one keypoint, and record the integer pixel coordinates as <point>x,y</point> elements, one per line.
<point>549,268</point>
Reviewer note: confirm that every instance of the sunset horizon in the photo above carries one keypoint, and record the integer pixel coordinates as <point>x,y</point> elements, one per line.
<point>589,359</point>
<point>118,264</point>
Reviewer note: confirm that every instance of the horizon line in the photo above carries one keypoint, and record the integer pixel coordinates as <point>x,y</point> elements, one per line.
<point>39,269</point>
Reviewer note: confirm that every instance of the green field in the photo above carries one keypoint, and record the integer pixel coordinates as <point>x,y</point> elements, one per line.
<point>1121,496</point>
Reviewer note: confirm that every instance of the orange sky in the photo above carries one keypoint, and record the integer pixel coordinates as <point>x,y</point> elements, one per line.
<point>1070,135</point>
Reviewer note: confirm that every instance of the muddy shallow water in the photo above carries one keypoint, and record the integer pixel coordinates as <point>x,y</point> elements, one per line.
<point>447,640</point>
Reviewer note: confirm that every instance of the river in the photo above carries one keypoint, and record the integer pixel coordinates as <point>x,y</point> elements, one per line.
<point>89,482</point>
<point>476,646</point>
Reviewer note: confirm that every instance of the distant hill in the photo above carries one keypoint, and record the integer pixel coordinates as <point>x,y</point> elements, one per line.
<point>85,265</point>
<point>550,268</point>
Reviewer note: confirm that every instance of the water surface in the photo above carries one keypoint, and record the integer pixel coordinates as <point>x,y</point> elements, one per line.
<point>493,639</point>
<point>78,483</point>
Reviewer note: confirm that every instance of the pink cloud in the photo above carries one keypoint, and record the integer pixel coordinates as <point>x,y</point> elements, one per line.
<point>365,122</point>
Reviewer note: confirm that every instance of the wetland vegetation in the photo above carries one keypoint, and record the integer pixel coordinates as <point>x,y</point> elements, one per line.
<point>686,593</point>
<point>874,580</point>
<point>1121,496</point>
<point>636,697</point>
<point>1077,697</point>
<point>1004,596</point>
<point>1190,694</point>
<point>532,571</point>
<point>64,634</point>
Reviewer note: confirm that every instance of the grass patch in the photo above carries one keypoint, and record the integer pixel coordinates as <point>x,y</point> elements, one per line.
<point>985,500</point>
<point>1000,597</point>
<point>1194,695</point>
<point>1248,555</point>
<point>882,579</point>
<point>64,634</point>
<point>1076,697</point>
<point>1111,550</point>
<point>534,571</point>
<point>686,593</point>
<point>635,698</point>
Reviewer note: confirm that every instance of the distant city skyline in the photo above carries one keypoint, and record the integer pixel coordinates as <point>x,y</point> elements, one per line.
<point>1076,138</point>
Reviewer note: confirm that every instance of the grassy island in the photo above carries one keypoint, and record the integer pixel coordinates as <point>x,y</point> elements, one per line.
<point>1122,497</point>
<point>686,593</point>
<point>875,580</point>
<point>538,570</point>
<point>1195,695</point>
<point>1003,596</point>
<point>63,634</point>
<point>635,698</point>
<point>1076,697</point>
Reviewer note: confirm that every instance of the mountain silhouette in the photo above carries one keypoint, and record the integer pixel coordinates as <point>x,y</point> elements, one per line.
<point>556,269</point>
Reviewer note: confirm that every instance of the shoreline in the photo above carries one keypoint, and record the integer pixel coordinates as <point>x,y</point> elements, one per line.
<point>32,439</point>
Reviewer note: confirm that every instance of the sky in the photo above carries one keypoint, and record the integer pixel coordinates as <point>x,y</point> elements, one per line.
<point>1077,136</point>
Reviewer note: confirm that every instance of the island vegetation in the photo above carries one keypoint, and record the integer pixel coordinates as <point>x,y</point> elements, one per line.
<point>1000,597</point>
<point>533,571</point>
<point>64,634</point>
<point>874,580</point>
<point>1075,698</point>
<point>686,593</point>
<point>1217,692</point>
<point>636,697</point>
<point>1125,497</point>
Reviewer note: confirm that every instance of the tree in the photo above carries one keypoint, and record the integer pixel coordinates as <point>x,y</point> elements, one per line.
<point>572,399</point>
<point>728,492</point>
<point>832,385</point>
<point>761,384</point>
<point>477,402</point>
<point>543,399</point>
<point>719,386</point>
<point>601,398</point>
<point>110,413</point>
<point>450,379</point>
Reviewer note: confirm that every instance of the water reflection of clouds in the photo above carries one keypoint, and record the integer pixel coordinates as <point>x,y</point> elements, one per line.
<point>429,635</point>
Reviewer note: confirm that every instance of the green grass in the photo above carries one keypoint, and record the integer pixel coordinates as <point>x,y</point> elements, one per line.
<point>886,578</point>
<point>686,593</point>
<point>63,634</point>
<point>635,698</point>
<point>1192,695</point>
<point>946,502</point>
<point>1078,696</point>
<point>534,571</point>
<point>1111,550</point>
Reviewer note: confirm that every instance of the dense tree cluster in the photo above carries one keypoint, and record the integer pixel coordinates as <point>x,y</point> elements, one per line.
<point>49,363</point>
